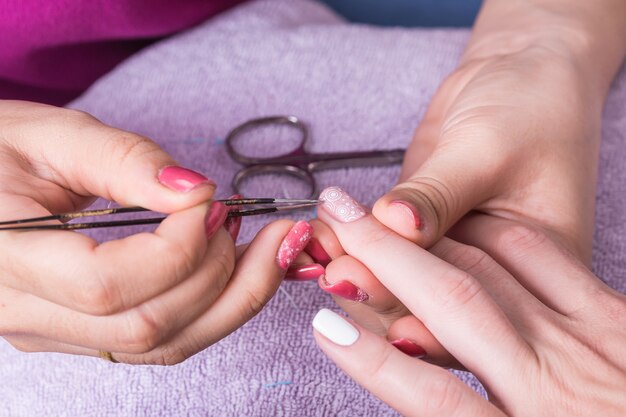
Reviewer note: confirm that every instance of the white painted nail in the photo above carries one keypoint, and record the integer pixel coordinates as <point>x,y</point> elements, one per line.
<point>335,327</point>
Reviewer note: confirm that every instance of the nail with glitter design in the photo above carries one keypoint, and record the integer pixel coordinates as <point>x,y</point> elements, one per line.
<point>317,252</point>
<point>340,205</point>
<point>295,241</point>
<point>344,289</point>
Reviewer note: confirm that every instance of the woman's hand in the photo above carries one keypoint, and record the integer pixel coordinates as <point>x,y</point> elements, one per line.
<point>541,332</point>
<point>149,298</point>
<point>514,132</point>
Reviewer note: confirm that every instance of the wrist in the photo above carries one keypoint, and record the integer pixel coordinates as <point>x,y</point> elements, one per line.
<point>590,38</point>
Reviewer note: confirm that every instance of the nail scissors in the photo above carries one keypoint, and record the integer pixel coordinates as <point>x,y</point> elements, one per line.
<point>265,205</point>
<point>298,162</point>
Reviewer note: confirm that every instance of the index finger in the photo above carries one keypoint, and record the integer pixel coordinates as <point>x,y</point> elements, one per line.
<point>73,270</point>
<point>450,302</point>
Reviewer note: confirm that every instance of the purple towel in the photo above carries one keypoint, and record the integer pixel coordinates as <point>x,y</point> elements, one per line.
<point>358,87</point>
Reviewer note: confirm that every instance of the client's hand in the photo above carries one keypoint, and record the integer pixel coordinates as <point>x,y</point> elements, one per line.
<point>154,298</point>
<point>513,135</point>
<point>541,332</point>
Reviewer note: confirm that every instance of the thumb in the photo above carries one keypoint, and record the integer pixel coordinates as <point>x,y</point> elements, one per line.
<point>90,158</point>
<point>411,386</point>
<point>444,188</point>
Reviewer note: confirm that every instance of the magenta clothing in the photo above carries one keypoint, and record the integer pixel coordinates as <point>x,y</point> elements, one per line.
<point>51,50</point>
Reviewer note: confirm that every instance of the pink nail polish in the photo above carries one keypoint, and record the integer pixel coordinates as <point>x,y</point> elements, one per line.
<point>294,243</point>
<point>409,211</point>
<point>215,218</point>
<point>344,289</point>
<point>409,347</point>
<point>305,272</point>
<point>340,205</point>
<point>182,179</point>
<point>317,252</point>
<point>233,224</point>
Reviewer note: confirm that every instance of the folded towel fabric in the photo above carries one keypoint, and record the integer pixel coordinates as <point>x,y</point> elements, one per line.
<point>358,88</point>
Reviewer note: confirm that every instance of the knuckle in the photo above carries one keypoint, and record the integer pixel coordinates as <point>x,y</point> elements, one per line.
<point>21,345</point>
<point>142,332</point>
<point>70,117</point>
<point>169,355</point>
<point>379,365</point>
<point>443,395</point>
<point>183,262</point>
<point>98,296</point>
<point>79,115</point>
<point>468,258</point>
<point>613,305</point>
<point>519,238</point>
<point>255,301</point>
<point>457,289</point>
<point>123,147</point>
<point>377,236</point>
<point>222,268</point>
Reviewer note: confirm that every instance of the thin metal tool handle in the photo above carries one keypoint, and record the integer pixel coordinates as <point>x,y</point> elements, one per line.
<point>234,134</point>
<point>294,171</point>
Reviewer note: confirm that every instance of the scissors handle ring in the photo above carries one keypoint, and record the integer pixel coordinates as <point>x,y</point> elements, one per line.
<point>297,172</point>
<point>251,124</point>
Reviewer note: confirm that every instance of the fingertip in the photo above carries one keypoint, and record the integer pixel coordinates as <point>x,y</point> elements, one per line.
<point>400,213</point>
<point>293,243</point>
<point>178,188</point>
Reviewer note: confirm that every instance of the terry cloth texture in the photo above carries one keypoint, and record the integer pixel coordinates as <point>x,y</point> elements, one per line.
<point>359,88</point>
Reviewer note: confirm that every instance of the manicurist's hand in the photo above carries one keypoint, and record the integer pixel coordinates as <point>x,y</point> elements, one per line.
<point>541,332</point>
<point>153,298</point>
<point>514,132</point>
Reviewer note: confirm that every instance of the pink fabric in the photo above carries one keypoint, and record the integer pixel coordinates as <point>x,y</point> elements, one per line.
<point>51,50</point>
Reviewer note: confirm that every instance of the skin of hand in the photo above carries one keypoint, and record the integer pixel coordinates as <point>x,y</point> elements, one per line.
<point>150,298</point>
<point>514,132</point>
<point>541,332</point>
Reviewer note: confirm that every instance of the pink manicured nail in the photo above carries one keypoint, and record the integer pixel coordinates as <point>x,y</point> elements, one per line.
<point>409,347</point>
<point>317,252</point>
<point>344,289</point>
<point>340,205</point>
<point>182,179</point>
<point>305,272</point>
<point>233,224</point>
<point>409,210</point>
<point>215,218</point>
<point>294,243</point>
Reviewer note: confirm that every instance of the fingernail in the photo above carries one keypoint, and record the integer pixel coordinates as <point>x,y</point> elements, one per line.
<point>233,224</point>
<point>317,252</point>
<point>305,272</point>
<point>340,205</point>
<point>409,211</point>
<point>344,289</point>
<point>335,328</point>
<point>182,179</point>
<point>409,347</point>
<point>215,218</point>
<point>295,241</point>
